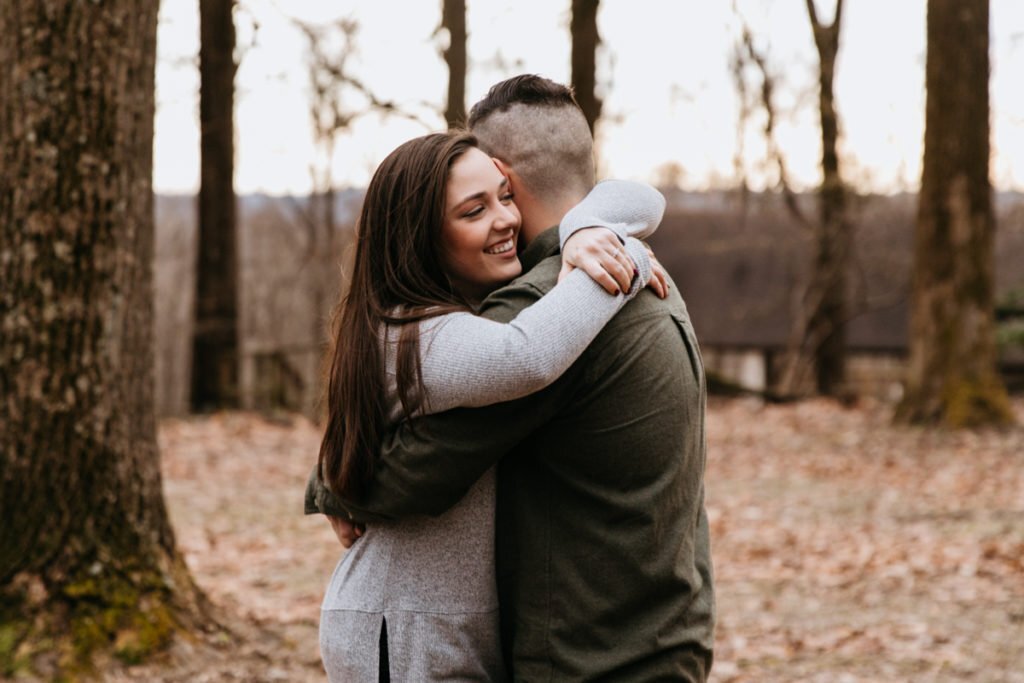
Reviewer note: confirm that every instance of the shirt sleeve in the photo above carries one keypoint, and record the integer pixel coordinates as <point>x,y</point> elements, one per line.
<point>427,464</point>
<point>469,360</point>
<point>626,208</point>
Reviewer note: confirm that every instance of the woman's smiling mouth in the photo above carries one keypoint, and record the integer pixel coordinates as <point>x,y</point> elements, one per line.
<point>502,247</point>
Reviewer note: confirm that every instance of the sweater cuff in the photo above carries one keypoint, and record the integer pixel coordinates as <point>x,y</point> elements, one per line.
<point>573,223</point>
<point>320,500</point>
<point>638,252</point>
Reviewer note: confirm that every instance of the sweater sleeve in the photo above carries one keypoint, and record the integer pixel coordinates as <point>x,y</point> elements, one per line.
<point>626,208</point>
<point>470,361</point>
<point>426,471</point>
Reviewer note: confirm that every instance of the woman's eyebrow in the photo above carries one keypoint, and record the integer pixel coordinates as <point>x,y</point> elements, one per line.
<point>481,194</point>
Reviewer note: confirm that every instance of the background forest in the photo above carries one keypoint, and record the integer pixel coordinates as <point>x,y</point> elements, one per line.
<point>178,188</point>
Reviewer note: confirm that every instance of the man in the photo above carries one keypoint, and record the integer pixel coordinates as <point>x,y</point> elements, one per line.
<point>603,559</point>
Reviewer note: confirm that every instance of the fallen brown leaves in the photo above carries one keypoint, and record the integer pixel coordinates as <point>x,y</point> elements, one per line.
<point>234,484</point>
<point>846,550</point>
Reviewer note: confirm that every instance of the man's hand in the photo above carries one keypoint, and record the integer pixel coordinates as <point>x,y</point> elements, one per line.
<point>347,532</point>
<point>601,255</point>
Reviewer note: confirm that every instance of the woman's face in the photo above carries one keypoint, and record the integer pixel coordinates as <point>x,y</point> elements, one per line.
<point>481,227</point>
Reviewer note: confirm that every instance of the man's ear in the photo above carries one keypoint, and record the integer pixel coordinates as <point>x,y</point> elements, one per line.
<point>506,171</point>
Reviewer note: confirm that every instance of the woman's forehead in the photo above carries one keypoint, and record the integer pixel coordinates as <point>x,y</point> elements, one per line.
<point>473,169</point>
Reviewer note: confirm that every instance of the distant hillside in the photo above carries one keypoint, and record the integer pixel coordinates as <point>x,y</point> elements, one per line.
<point>739,265</point>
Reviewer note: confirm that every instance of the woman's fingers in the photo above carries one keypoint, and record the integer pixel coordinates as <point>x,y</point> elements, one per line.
<point>597,270</point>
<point>659,278</point>
<point>346,531</point>
<point>600,254</point>
<point>628,266</point>
<point>621,273</point>
<point>658,281</point>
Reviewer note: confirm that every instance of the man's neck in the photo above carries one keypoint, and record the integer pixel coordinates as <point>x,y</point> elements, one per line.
<point>539,215</point>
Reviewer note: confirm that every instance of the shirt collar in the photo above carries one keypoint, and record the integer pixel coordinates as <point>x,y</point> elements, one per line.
<point>541,247</point>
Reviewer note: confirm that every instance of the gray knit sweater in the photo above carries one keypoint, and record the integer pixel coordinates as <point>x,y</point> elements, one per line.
<point>432,579</point>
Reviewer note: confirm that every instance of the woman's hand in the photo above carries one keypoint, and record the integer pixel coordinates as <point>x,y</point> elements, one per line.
<point>601,255</point>
<point>347,532</point>
<point>659,278</point>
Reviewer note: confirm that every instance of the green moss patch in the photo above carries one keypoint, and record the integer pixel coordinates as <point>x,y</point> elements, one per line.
<point>104,613</point>
<point>976,403</point>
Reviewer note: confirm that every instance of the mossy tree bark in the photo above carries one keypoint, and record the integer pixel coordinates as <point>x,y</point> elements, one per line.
<point>952,375</point>
<point>87,555</point>
<point>585,39</point>
<point>215,363</point>
<point>453,20</point>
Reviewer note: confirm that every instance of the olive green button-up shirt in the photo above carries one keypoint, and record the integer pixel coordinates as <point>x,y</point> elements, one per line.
<point>603,555</point>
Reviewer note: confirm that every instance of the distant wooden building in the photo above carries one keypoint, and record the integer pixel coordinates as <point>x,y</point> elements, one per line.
<point>741,272</point>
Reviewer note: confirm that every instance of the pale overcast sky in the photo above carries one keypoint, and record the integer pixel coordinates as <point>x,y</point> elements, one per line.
<point>669,97</point>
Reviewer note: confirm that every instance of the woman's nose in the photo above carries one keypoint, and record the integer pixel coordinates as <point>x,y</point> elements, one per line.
<point>507,217</point>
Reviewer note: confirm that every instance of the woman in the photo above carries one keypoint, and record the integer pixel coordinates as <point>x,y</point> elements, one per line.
<point>438,230</point>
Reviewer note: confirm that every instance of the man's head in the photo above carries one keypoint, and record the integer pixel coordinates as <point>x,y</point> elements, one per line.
<point>536,129</point>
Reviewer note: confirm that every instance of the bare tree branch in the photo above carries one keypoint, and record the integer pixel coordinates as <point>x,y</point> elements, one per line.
<point>749,53</point>
<point>812,12</point>
<point>821,310</point>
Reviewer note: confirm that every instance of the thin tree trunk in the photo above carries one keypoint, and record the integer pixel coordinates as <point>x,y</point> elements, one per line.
<point>952,375</point>
<point>87,555</point>
<point>817,336</point>
<point>326,274</point>
<point>827,294</point>
<point>585,40</point>
<point>215,338</point>
<point>453,19</point>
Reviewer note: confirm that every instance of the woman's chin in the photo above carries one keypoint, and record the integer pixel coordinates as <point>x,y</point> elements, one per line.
<point>514,269</point>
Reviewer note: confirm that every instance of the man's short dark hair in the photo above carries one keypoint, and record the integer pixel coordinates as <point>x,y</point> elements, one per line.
<point>524,89</point>
<point>535,126</point>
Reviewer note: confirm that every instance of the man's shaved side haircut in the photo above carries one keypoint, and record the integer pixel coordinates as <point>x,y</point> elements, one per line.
<point>534,125</point>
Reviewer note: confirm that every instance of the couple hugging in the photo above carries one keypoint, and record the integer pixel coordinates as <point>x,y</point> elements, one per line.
<point>515,418</point>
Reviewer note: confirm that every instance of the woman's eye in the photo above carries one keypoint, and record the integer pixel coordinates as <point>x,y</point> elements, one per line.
<point>473,212</point>
<point>508,196</point>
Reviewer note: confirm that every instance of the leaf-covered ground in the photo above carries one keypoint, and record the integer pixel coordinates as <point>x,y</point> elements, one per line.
<point>845,549</point>
<point>850,550</point>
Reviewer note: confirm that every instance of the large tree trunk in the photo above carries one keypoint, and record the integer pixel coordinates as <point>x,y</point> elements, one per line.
<point>827,294</point>
<point>87,555</point>
<point>585,40</point>
<point>453,20</point>
<point>952,376</point>
<point>215,342</point>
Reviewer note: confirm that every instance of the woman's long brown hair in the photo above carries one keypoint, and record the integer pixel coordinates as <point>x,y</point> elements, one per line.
<point>397,279</point>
